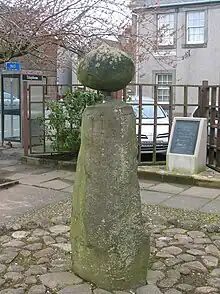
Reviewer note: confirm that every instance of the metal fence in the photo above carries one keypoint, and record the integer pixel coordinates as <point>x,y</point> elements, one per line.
<point>210,108</point>
<point>154,116</point>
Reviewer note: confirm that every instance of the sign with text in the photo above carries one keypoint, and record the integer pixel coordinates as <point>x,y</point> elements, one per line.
<point>32,78</point>
<point>12,66</point>
<point>187,148</point>
<point>185,136</point>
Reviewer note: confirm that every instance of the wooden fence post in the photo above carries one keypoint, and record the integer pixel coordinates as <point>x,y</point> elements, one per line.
<point>204,99</point>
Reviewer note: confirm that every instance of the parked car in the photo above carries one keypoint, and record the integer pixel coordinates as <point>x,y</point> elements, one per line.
<point>147,131</point>
<point>10,102</point>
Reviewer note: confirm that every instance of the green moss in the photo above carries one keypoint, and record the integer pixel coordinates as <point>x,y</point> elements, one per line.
<point>106,69</point>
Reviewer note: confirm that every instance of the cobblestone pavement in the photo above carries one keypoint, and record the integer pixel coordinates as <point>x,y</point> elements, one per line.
<point>37,260</point>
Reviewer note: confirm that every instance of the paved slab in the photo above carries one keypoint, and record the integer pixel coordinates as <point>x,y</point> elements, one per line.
<point>19,176</point>
<point>70,177</point>
<point>168,188</point>
<point>147,184</point>
<point>12,168</point>
<point>186,202</point>
<point>54,184</point>
<point>50,181</point>
<point>6,163</point>
<point>45,177</point>
<point>202,192</point>
<point>68,190</point>
<point>151,197</point>
<point>212,207</point>
<point>20,199</point>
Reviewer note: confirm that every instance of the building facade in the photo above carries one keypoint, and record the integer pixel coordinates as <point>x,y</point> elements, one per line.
<point>185,47</point>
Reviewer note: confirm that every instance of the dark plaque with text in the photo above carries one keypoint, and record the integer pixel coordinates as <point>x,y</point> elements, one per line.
<point>32,78</point>
<point>185,137</point>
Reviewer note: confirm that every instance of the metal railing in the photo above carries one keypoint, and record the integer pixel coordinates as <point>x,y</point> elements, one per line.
<point>182,100</point>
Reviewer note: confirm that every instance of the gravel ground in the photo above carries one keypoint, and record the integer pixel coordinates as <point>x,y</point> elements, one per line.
<point>152,214</point>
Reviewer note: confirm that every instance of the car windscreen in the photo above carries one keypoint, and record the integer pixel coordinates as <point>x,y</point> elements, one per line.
<point>148,111</point>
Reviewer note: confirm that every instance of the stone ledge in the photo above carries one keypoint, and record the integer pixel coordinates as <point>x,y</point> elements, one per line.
<point>209,178</point>
<point>59,164</point>
<point>159,174</point>
<point>8,183</point>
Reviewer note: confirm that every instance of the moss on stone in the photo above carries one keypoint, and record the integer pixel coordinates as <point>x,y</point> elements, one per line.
<point>109,245</point>
<point>106,69</point>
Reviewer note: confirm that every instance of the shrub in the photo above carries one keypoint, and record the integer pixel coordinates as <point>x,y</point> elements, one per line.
<point>63,120</point>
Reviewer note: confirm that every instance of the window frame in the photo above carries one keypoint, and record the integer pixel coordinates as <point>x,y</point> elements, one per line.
<point>161,45</point>
<point>163,86</point>
<point>188,44</point>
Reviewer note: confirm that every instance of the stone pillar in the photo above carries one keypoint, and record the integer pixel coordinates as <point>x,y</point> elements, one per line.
<point>109,246</point>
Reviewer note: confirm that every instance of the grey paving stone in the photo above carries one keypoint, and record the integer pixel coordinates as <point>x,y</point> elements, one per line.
<point>151,197</point>
<point>202,192</point>
<point>54,184</point>
<point>151,289</point>
<point>212,207</point>
<point>168,188</point>
<point>59,280</point>
<point>18,176</point>
<point>44,177</point>
<point>70,177</point>
<point>77,289</point>
<point>146,184</point>
<point>20,198</point>
<point>186,202</point>
<point>6,163</point>
<point>13,168</point>
<point>68,189</point>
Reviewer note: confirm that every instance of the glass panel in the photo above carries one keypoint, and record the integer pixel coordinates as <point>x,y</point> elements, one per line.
<point>159,78</point>
<point>12,127</point>
<point>163,93</point>
<point>37,93</point>
<point>196,35</point>
<point>11,95</point>
<point>166,29</point>
<point>11,108</point>
<point>195,27</point>
<point>164,79</point>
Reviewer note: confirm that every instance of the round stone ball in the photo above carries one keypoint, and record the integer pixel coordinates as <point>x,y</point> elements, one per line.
<point>106,69</point>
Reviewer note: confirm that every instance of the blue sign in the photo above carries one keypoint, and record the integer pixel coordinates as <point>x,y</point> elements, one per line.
<point>12,66</point>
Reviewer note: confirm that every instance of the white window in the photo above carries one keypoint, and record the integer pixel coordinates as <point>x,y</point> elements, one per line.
<point>165,26</point>
<point>163,92</point>
<point>195,25</point>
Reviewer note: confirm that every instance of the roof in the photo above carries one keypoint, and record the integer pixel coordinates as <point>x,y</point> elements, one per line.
<point>167,3</point>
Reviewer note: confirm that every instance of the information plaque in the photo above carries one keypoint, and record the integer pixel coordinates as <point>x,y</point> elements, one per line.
<point>187,147</point>
<point>185,136</point>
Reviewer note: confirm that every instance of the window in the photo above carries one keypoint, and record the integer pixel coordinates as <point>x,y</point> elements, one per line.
<point>163,92</point>
<point>165,26</point>
<point>195,26</point>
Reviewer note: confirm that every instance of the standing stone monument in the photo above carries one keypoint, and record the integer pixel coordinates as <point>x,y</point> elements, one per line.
<point>109,246</point>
